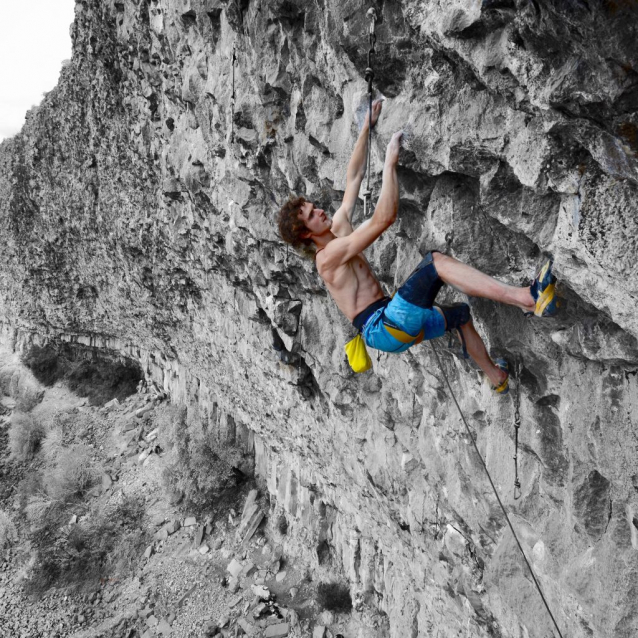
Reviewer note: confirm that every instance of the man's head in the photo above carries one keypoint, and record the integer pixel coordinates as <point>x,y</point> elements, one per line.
<point>300,221</point>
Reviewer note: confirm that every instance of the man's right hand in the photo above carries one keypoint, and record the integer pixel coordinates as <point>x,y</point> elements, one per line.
<point>392,152</point>
<point>376,111</point>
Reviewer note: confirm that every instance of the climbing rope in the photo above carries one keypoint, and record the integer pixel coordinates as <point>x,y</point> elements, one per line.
<point>517,426</point>
<point>300,342</point>
<point>498,498</point>
<point>369,76</point>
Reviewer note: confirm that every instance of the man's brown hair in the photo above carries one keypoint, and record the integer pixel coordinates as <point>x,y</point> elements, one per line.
<point>291,227</point>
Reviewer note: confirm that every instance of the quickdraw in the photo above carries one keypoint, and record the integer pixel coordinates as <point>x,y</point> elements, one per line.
<point>369,77</point>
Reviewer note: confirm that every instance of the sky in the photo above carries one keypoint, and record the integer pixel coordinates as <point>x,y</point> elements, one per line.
<point>34,41</point>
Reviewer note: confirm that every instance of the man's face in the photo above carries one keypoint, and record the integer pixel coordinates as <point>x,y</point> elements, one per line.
<point>315,219</point>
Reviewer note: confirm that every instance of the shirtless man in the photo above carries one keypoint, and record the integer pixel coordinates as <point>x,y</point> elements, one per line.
<point>394,325</point>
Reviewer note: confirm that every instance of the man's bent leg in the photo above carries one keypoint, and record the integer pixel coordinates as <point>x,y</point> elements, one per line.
<point>458,318</point>
<point>474,283</point>
<point>476,349</point>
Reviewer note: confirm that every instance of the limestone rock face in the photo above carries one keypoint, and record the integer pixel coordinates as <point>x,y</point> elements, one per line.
<point>137,212</point>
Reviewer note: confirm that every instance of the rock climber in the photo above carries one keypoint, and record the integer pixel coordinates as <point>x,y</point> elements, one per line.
<point>395,324</point>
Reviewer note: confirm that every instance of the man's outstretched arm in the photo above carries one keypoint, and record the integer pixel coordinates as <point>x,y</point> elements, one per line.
<point>341,222</point>
<point>342,249</point>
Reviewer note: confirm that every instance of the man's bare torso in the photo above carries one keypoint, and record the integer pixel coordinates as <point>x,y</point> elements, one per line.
<point>353,285</point>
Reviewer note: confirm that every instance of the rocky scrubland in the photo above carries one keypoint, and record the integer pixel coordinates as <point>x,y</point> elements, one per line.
<point>109,528</point>
<point>137,219</point>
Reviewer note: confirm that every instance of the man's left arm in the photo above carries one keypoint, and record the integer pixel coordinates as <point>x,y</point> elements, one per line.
<point>341,250</point>
<point>341,222</point>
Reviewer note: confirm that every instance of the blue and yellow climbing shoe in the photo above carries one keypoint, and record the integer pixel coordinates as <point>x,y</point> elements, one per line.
<point>543,291</point>
<point>504,387</point>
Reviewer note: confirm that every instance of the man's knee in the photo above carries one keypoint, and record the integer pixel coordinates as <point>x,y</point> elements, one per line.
<point>456,316</point>
<point>439,260</point>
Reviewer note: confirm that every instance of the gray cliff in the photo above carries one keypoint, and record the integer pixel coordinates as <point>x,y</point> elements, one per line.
<point>137,212</point>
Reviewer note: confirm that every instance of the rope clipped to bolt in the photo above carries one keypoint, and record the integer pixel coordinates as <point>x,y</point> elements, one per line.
<point>498,498</point>
<point>369,77</point>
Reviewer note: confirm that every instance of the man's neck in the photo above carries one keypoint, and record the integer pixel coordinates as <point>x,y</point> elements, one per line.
<point>321,241</point>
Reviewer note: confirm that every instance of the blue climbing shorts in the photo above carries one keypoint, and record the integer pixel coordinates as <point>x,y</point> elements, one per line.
<point>410,310</point>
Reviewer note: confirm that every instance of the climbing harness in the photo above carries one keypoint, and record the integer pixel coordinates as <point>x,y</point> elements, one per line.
<point>369,76</point>
<point>403,336</point>
<point>498,498</point>
<point>517,425</point>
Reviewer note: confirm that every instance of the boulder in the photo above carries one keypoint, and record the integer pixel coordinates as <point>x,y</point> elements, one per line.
<point>247,569</point>
<point>250,629</point>
<point>106,481</point>
<point>210,629</point>
<point>293,618</point>
<point>151,621</point>
<point>249,525</point>
<point>234,568</point>
<point>112,404</point>
<point>199,536</point>
<point>279,630</point>
<point>142,411</point>
<point>250,502</point>
<point>161,535</point>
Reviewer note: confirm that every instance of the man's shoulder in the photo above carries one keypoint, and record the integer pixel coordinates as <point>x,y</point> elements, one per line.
<point>342,227</point>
